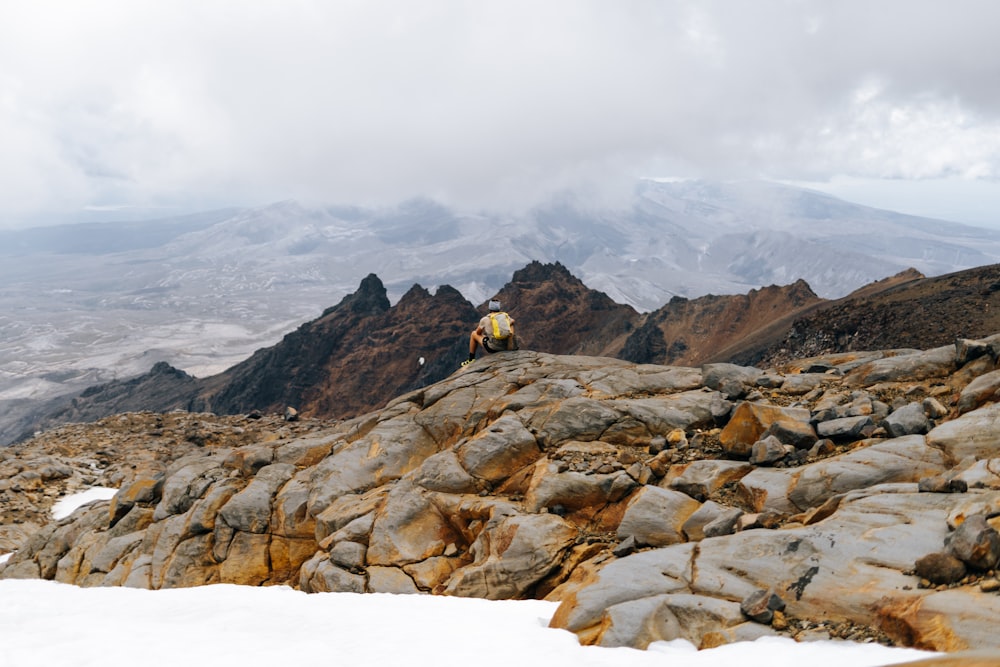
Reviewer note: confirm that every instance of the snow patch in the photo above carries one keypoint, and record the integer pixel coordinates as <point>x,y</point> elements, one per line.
<point>69,504</point>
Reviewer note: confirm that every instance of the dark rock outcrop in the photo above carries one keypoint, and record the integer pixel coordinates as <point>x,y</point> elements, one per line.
<point>362,352</point>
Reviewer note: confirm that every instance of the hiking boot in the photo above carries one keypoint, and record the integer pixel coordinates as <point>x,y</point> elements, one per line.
<point>467,362</point>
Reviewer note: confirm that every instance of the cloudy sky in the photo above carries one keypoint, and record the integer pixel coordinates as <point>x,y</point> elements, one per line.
<point>113,108</point>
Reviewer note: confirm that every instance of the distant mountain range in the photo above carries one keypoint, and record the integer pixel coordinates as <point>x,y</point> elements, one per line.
<point>86,304</point>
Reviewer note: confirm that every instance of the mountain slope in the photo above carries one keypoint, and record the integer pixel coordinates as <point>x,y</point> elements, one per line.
<point>89,304</point>
<point>692,331</point>
<point>914,312</point>
<point>356,356</point>
<point>364,351</point>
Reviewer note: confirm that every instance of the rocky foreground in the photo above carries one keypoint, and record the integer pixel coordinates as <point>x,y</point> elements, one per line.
<point>853,495</point>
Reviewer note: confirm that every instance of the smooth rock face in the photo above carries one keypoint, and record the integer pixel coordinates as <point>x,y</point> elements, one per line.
<point>636,495</point>
<point>985,388</point>
<point>656,517</point>
<point>974,435</point>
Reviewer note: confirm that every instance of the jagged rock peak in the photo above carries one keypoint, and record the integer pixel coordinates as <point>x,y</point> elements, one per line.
<point>444,293</point>
<point>538,272</point>
<point>416,293</point>
<point>448,292</point>
<point>797,292</point>
<point>163,368</point>
<point>370,298</point>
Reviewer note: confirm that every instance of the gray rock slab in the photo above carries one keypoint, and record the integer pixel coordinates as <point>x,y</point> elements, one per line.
<point>844,428</point>
<point>918,365</point>
<point>250,509</point>
<point>841,568</point>
<point>499,450</point>
<point>983,389</point>
<point>974,434</point>
<point>656,517</point>
<point>512,556</point>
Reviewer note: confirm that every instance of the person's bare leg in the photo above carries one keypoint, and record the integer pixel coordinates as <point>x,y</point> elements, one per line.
<point>475,340</point>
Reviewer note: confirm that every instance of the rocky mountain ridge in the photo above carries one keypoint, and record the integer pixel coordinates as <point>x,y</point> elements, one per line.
<point>364,351</point>
<point>88,304</point>
<point>852,494</point>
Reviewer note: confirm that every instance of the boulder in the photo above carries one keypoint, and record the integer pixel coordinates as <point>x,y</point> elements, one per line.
<point>911,366</point>
<point>940,568</point>
<point>711,520</point>
<point>966,350</point>
<point>250,509</point>
<point>390,580</point>
<point>701,479</point>
<point>408,528</point>
<point>975,543</point>
<point>907,420</point>
<point>388,451</point>
<point>732,380</point>
<point>512,556</point>
<point>656,517</point>
<point>983,389</point>
<point>574,491</point>
<point>348,555</point>
<point>845,428</point>
<point>750,420</point>
<point>799,434</point>
<point>444,472</point>
<point>761,604</point>
<point>767,451</point>
<point>667,617</point>
<point>499,450</point>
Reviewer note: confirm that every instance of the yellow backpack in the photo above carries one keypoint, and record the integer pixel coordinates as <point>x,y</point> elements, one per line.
<point>502,328</point>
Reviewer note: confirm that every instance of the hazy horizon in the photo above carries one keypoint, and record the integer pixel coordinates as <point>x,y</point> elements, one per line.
<point>143,109</point>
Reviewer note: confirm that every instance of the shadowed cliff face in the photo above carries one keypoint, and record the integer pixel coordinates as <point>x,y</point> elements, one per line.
<point>356,356</point>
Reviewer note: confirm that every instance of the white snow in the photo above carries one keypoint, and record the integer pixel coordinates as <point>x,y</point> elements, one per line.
<point>48,623</point>
<point>65,506</point>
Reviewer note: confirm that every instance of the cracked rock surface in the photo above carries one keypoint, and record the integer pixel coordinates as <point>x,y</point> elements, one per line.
<point>628,492</point>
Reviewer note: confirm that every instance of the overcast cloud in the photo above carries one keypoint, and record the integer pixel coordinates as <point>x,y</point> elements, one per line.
<point>152,106</point>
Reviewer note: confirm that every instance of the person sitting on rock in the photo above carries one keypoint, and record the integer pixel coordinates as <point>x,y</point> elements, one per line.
<point>495,333</point>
